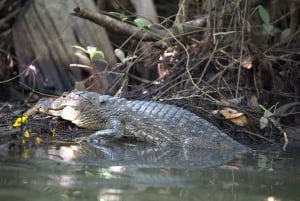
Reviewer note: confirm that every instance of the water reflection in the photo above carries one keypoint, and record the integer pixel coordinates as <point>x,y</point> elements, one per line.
<point>135,155</point>
<point>137,172</point>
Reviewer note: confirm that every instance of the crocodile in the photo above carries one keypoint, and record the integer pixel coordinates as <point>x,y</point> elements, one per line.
<point>147,121</point>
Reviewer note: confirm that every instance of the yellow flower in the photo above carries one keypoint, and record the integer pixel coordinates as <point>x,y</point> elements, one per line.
<point>20,120</point>
<point>26,134</point>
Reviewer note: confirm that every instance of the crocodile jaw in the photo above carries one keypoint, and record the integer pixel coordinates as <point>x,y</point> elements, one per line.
<point>69,113</point>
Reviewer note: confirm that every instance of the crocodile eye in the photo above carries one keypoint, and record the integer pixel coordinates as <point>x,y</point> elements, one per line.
<point>64,95</point>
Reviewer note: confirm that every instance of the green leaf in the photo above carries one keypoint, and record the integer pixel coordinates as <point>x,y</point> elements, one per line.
<point>124,18</point>
<point>179,28</point>
<point>268,29</point>
<point>120,54</point>
<point>92,54</point>
<point>285,34</point>
<point>80,48</point>
<point>264,14</point>
<point>262,107</point>
<point>90,50</point>
<point>268,118</point>
<point>142,23</point>
<point>128,59</point>
<point>263,122</point>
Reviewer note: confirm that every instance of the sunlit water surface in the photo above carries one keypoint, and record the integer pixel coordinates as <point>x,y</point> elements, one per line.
<point>115,173</point>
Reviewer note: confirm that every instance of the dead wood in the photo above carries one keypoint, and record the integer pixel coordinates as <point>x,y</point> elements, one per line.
<point>43,38</point>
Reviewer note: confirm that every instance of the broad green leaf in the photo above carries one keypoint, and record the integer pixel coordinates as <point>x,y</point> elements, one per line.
<point>143,23</point>
<point>285,34</point>
<point>268,29</point>
<point>264,14</point>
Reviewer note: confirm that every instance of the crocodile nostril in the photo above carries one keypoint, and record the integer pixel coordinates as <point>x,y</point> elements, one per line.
<point>103,102</point>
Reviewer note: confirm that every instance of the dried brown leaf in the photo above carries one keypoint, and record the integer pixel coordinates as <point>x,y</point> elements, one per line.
<point>235,117</point>
<point>247,62</point>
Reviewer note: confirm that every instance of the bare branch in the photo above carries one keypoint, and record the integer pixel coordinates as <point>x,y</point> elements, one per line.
<point>115,25</point>
<point>153,34</point>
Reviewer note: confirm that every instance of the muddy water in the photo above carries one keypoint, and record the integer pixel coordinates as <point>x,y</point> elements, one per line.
<point>135,172</point>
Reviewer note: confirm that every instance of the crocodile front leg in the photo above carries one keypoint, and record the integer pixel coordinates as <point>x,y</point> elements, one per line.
<point>114,129</point>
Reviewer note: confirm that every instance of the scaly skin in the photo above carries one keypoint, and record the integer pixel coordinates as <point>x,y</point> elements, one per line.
<point>146,121</point>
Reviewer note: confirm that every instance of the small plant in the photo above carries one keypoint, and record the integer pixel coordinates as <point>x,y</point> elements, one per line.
<point>90,51</point>
<point>142,23</point>
<point>121,55</point>
<point>264,15</point>
<point>268,119</point>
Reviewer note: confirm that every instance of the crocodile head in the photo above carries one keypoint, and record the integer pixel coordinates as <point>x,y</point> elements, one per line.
<point>83,108</point>
<point>66,106</point>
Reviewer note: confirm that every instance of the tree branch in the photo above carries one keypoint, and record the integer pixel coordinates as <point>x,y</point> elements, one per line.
<point>153,34</point>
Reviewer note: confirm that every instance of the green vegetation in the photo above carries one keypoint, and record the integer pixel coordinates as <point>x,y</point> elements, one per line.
<point>91,51</point>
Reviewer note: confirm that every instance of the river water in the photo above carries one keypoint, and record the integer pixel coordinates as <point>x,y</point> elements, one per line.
<point>131,172</point>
